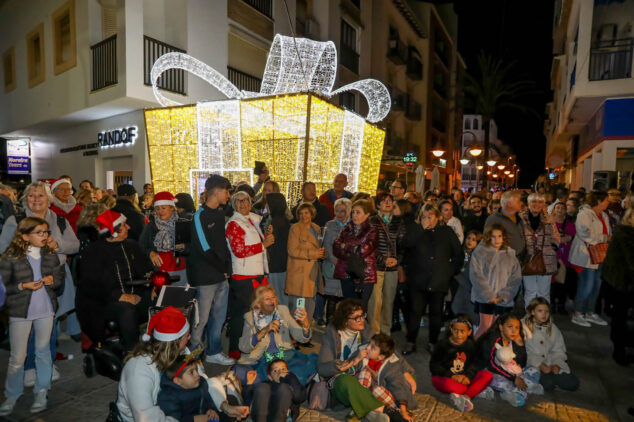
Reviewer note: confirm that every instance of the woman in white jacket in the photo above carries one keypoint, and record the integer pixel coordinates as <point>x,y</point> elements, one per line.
<point>593,227</point>
<point>545,347</point>
<point>495,275</point>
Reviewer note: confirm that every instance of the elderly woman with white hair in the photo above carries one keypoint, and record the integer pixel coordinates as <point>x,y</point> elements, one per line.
<point>542,242</point>
<point>37,200</point>
<point>247,245</point>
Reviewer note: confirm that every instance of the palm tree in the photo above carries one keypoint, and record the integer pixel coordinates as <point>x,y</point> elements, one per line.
<point>493,89</point>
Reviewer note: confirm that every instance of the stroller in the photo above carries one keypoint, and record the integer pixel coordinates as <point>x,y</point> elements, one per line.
<point>106,358</point>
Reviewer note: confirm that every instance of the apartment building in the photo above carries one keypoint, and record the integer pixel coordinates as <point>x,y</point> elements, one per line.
<point>589,126</point>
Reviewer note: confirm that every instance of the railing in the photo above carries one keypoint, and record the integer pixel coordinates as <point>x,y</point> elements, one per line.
<point>413,111</point>
<point>397,51</point>
<point>399,98</point>
<point>243,81</point>
<point>611,59</point>
<point>414,69</point>
<point>349,58</point>
<point>263,6</point>
<point>172,80</point>
<point>104,63</point>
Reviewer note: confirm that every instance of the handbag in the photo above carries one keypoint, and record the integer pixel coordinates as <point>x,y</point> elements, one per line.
<point>536,265</point>
<point>355,265</point>
<point>597,252</point>
<point>318,394</point>
<point>560,275</point>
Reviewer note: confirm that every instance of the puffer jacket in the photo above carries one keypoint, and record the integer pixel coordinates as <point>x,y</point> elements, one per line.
<point>364,242</point>
<point>16,270</point>
<point>494,273</point>
<point>589,232</point>
<point>535,239</point>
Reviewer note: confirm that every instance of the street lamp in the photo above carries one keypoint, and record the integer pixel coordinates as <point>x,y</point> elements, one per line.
<point>479,166</point>
<point>507,172</point>
<point>495,175</point>
<point>501,166</point>
<point>464,160</point>
<point>491,163</point>
<point>475,151</point>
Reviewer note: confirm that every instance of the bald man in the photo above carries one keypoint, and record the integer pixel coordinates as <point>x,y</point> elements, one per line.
<point>338,190</point>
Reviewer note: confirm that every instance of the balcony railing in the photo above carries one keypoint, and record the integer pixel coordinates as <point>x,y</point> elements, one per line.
<point>414,69</point>
<point>413,111</point>
<point>349,58</point>
<point>172,80</point>
<point>263,6</point>
<point>399,99</point>
<point>243,81</point>
<point>104,63</point>
<point>397,51</point>
<point>611,59</point>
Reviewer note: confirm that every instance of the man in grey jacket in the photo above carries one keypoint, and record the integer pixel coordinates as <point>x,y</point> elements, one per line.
<point>507,216</point>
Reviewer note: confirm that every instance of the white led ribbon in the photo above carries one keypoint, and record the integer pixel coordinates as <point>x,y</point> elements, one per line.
<point>285,73</point>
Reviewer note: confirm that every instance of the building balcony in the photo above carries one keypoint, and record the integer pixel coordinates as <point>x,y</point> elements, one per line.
<point>414,69</point>
<point>104,63</point>
<point>243,81</point>
<point>263,6</point>
<point>349,58</point>
<point>397,51</point>
<point>172,80</point>
<point>611,59</point>
<point>399,99</point>
<point>413,111</point>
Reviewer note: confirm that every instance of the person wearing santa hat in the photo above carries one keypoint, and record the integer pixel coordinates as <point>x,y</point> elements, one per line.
<point>158,238</point>
<point>166,338</point>
<point>107,266</point>
<point>64,203</point>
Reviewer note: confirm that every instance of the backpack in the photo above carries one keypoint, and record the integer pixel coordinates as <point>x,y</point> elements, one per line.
<point>62,223</point>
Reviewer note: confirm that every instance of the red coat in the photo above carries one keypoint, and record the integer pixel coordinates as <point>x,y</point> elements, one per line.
<point>328,198</point>
<point>71,216</point>
<point>347,243</point>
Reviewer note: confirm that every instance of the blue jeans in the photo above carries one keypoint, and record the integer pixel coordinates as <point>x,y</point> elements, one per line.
<point>212,309</point>
<point>588,288</point>
<point>19,337</point>
<point>278,281</point>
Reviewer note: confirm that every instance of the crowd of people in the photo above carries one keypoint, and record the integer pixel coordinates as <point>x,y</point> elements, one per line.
<point>485,272</point>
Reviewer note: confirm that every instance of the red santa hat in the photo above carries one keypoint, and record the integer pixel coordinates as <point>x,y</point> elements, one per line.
<point>108,220</point>
<point>164,198</point>
<point>58,182</point>
<point>168,324</point>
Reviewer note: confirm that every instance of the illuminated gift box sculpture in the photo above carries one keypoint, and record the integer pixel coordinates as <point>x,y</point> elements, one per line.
<point>289,125</point>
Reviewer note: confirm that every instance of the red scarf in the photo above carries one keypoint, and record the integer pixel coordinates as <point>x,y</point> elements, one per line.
<point>375,365</point>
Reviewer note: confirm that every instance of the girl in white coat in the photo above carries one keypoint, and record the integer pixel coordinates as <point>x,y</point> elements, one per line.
<point>545,347</point>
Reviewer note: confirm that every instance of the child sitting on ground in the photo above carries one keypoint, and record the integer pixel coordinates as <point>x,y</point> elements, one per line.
<point>453,365</point>
<point>546,348</point>
<point>389,377</point>
<point>513,388</point>
<point>184,394</point>
<point>285,387</point>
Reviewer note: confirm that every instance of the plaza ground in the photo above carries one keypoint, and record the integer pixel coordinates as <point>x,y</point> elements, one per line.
<point>604,395</point>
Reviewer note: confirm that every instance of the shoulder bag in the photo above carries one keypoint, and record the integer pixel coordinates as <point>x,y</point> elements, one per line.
<point>355,265</point>
<point>535,264</point>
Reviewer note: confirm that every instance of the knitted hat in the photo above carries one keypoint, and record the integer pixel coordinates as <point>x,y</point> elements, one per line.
<point>108,220</point>
<point>164,198</point>
<point>58,182</point>
<point>125,190</point>
<point>168,324</point>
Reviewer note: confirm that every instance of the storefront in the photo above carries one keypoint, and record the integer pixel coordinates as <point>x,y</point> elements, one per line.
<point>109,152</point>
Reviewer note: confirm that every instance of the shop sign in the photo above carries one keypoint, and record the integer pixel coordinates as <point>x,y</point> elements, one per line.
<point>117,137</point>
<point>18,156</point>
<point>410,159</point>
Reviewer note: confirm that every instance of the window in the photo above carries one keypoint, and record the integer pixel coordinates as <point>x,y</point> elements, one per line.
<point>347,100</point>
<point>8,69</point>
<point>475,124</point>
<point>65,55</point>
<point>349,57</point>
<point>467,124</point>
<point>35,56</point>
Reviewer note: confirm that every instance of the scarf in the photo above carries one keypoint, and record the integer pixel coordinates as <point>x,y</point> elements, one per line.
<point>66,207</point>
<point>34,252</point>
<point>375,365</point>
<point>164,240</point>
<point>349,342</point>
<point>261,320</point>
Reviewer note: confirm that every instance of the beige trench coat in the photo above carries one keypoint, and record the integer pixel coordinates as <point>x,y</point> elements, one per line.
<point>302,270</point>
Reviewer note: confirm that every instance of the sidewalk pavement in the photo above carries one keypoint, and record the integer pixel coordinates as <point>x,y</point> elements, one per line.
<point>604,395</point>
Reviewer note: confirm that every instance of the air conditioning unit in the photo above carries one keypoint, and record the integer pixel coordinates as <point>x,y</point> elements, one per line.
<point>604,180</point>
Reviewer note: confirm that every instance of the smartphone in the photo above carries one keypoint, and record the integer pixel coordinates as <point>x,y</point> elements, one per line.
<point>301,303</point>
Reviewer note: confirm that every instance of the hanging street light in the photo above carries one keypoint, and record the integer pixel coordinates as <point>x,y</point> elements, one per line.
<point>438,152</point>
<point>507,172</point>
<point>491,163</point>
<point>495,175</point>
<point>475,151</point>
<point>464,161</point>
<point>501,166</point>
<point>479,166</point>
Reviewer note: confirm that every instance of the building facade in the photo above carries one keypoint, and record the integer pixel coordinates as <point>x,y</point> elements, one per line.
<point>589,129</point>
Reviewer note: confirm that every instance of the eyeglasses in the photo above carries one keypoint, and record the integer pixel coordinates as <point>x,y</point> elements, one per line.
<point>242,201</point>
<point>359,318</point>
<point>42,233</point>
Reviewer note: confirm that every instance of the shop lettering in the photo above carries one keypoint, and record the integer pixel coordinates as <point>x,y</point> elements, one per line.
<point>117,137</point>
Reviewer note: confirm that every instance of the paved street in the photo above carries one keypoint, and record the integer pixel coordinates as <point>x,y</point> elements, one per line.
<point>604,395</point>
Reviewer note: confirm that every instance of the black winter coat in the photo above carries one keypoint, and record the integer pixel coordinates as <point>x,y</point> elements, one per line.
<point>433,256</point>
<point>470,221</point>
<point>209,258</point>
<point>277,252</point>
<point>134,218</point>
<point>18,270</point>
<point>322,216</point>
<point>618,267</point>
<point>183,404</point>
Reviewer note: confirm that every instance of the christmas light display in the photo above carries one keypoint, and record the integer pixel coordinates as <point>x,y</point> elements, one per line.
<point>289,125</point>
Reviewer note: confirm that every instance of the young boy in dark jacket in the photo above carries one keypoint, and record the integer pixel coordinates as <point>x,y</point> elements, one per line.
<point>184,394</point>
<point>454,367</point>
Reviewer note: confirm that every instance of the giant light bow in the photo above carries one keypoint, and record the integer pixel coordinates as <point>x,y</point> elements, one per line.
<point>289,124</point>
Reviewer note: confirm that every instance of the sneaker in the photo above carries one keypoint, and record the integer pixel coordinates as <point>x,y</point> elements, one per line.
<point>408,349</point>
<point>595,319</point>
<point>39,403</point>
<point>486,394</point>
<point>29,378</point>
<point>375,416</point>
<point>578,319</point>
<point>56,374</point>
<point>462,403</point>
<point>513,398</point>
<point>220,359</point>
<point>7,406</point>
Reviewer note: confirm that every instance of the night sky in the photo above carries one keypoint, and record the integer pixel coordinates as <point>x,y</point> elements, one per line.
<point>516,31</point>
